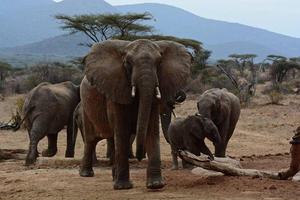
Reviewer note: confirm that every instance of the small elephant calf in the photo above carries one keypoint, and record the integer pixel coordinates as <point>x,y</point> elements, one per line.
<point>189,134</point>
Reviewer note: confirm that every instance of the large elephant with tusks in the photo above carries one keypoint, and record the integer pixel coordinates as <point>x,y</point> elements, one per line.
<point>124,86</point>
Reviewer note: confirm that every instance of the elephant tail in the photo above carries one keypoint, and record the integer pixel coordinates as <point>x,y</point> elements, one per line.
<point>26,113</point>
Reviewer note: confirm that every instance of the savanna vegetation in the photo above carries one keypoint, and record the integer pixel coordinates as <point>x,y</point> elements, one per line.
<point>239,72</point>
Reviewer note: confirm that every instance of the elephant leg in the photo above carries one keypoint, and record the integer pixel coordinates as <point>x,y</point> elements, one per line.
<point>165,119</point>
<point>130,155</point>
<point>35,135</point>
<point>220,149</point>
<point>70,140</point>
<point>154,177</point>
<point>109,149</point>
<point>95,160</point>
<point>113,169</point>
<point>205,150</point>
<point>174,159</point>
<point>121,140</point>
<point>52,146</point>
<point>86,169</point>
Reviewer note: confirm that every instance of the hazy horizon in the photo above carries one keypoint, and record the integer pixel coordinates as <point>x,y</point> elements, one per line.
<point>278,16</point>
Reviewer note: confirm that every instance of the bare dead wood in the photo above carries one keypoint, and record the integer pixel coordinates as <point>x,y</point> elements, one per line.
<point>225,168</point>
<point>17,154</point>
<point>56,162</point>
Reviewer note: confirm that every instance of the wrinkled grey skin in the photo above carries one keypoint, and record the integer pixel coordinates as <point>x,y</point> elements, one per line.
<point>125,83</point>
<point>47,109</point>
<point>166,112</point>
<point>78,124</point>
<point>223,108</point>
<point>189,134</point>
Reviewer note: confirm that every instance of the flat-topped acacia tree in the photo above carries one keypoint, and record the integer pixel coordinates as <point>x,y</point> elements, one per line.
<point>130,26</point>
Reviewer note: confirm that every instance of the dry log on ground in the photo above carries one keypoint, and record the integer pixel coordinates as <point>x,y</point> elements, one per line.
<point>17,154</point>
<point>56,162</point>
<point>225,168</point>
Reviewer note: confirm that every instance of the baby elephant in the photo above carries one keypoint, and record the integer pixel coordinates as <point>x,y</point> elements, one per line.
<point>47,109</point>
<point>189,134</point>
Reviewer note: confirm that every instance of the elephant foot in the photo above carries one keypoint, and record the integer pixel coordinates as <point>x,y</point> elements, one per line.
<point>174,167</point>
<point>123,185</point>
<point>155,183</point>
<point>111,162</point>
<point>186,165</point>
<point>84,172</point>
<point>49,153</point>
<point>69,154</point>
<point>131,156</point>
<point>30,161</point>
<point>220,154</point>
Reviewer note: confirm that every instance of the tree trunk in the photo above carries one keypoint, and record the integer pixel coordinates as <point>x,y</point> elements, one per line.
<point>226,168</point>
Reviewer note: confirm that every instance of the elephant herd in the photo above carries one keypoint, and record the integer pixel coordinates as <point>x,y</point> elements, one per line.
<point>127,88</point>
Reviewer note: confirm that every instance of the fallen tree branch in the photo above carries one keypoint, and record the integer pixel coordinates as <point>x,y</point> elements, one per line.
<point>225,168</point>
<point>17,154</point>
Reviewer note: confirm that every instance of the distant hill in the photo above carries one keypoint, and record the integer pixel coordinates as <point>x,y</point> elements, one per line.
<point>30,30</point>
<point>218,36</point>
<point>27,21</point>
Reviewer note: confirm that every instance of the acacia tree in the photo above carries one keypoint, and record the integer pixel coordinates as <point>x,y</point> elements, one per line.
<point>244,87</point>
<point>102,27</point>
<point>280,67</point>
<point>127,27</point>
<point>242,61</point>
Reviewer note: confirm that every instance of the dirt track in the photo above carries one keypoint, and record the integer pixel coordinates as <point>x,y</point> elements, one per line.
<point>262,130</point>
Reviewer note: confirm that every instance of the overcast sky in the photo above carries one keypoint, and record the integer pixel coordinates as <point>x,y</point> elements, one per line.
<point>281,16</point>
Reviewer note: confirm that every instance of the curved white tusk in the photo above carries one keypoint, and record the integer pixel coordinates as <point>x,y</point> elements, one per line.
<point>133,91</point>
<point>158,95</point>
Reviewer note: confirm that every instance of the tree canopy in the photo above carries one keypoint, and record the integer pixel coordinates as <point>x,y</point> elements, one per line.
<point>128,26</point>
<point>100,27</point>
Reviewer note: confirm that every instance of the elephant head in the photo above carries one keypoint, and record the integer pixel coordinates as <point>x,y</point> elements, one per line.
<point>148,71</point>
<point>205,128</point>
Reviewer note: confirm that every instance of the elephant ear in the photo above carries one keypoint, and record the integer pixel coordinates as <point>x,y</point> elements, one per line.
<point>174,69</point>
<point>104,70</point>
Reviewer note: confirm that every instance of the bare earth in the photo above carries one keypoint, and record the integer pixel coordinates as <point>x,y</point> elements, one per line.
<point>260,141</point>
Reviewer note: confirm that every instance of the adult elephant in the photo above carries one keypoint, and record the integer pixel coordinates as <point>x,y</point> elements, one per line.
<point>78,124</point>
<point>125,84</point>
<point>223,108</point>
<point>47,109</point>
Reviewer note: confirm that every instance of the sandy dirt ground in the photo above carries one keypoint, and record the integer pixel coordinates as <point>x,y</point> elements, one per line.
<point>260,141</point>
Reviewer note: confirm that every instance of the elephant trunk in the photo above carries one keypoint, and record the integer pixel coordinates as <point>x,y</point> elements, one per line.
<point>147,90</point>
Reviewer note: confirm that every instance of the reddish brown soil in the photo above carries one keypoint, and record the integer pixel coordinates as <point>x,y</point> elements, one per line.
<point>262,130</point>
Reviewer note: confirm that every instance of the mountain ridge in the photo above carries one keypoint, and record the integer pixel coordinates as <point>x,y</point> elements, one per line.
<point>223,38</point>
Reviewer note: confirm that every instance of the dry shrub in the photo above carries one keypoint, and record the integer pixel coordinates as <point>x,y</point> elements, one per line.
<point>275,97</point>
<point>16,114</point>
<point>209,78</point>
